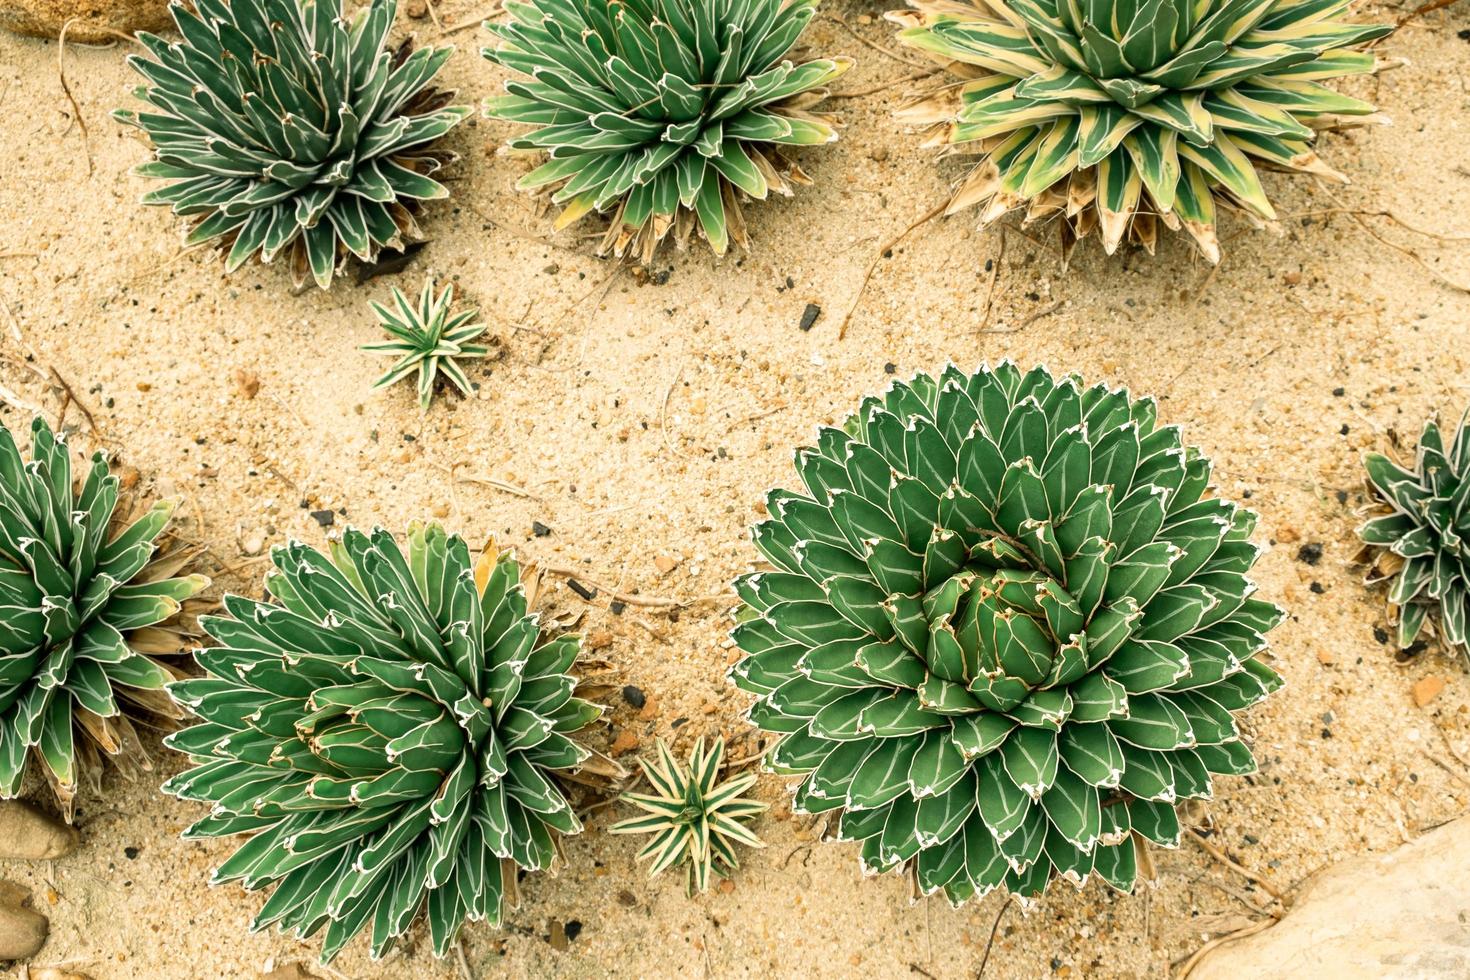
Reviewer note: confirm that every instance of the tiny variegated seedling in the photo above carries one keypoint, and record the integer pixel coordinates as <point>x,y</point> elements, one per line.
<point>1122,115</point>
<point>284,128</point>
<point>663,113</point>
<point>384,736</point>
<point>1004,632</point>
<point>429,339</point>
<point>1419,536</point>
<point>695,818</point>
<point>90,600</point>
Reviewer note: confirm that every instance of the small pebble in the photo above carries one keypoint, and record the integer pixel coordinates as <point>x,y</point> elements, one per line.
<point>634,696</point>
<point>325,518</point>
<point>809,316</point>
<point>1427,689</point>
<point>626,742</point>
<point>1310,553</point>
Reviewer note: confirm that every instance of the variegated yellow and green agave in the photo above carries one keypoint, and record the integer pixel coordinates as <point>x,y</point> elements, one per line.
<point>384,735</point>
<point>1122,115</point>
<point>1419,536</point>
<point>89,599</point>
<point>664,112</point>
<point>287,129</point>
<point>695,818</point>
<point>1004,631</point>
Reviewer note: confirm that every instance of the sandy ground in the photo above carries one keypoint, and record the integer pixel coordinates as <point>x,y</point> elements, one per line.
<point>646,416</point>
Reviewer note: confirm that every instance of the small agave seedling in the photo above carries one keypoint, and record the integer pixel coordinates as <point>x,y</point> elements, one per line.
<point>1126,114</point>
<point>664,112</point>
<point>695,819</point>
<point>385,734</point>
<point>89,600</point>
<point>1420,538</point>
<point>429,339</point>
<point>286,129</point>
<point>1005,631</point>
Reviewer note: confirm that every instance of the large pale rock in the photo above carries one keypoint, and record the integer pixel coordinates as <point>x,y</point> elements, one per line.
<point>1401,914</point>
<point>22,929</point>
<point>44,18</point>
<point>29,834</point>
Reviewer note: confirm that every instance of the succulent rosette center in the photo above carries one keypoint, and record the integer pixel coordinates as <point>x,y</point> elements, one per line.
<point>1004,630</point>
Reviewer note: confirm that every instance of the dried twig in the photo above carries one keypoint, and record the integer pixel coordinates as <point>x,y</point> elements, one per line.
<point>1045,311</point>
<point>663,415</point>
<point>990,943</point>
<point>875,45</point>
<point>1404,250</point>
<point>757,416</point>
<point>66,89</point>
<point>461,961</point>
<point>917,76</point>
<point>1199,954</point>
<point>873,265</point>
<point>1421,10</point>
<point>489,481</point>
<point>1228,861</point>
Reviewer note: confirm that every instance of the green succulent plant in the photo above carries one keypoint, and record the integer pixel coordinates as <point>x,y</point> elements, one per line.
<point>90,598</point>
<point>384,734</point>
<point>665,113</point>
<point>1420,536</point>
<point>429,339</point>
<point>1005,631</point>
<point>286,129</point>
<point>1127,114</point>
<point>695,818</point>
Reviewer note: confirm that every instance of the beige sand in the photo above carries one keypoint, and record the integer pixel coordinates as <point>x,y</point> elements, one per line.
<point>648,419</point>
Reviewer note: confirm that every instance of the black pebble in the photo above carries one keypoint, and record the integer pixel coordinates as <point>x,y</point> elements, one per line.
<point>1317,588</point>
<point>131,853</point>
<point>634,696</point>
<point>581,590</point>
<point>1380,634</point>
<point>678,721</point>
<point>573,929</point>
<point>809,316</point>
<point>1339,392</point>
<point>539,529</point>
<point>616,607</point>
<point>324,517</point>
<point>1311,553</point>
<point>890,367</point>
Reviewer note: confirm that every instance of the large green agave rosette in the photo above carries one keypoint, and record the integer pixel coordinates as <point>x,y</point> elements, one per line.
<point>1418,537</point>
<point>384,737</point>
<point>1124,115</point>
<point>286,128</point>
<point>663,114</point>
<point>90,599</point>
<point>1004,631</point>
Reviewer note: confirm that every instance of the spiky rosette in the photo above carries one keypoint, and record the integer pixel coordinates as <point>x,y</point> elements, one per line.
<point>1005,630</point>
<point>285,129</point>
<point>1420,538</point>
<point>665,113</point>
<point>695,818</point>
<point>385,732</point>
<point>88,602</point>
<point>1125,114</point>
<point>429,339</point>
